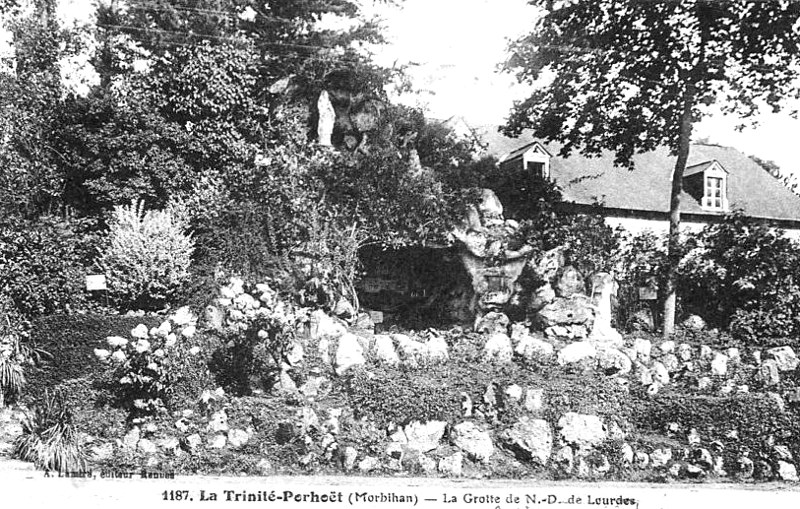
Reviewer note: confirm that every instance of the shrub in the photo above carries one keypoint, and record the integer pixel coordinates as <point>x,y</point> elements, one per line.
<point>13,328</point>
<point>50,438</point>
<point>70,341</point>
<point>239,238</point>
<point>43,263</point>
<point>260,330</point>
<point>147,257</point>
<point>742,274</point>
<point>330,262</point>
<point>11,377</point>
<point>400,396</point>
<point>148,365</point>
<point>741,422</point>
<point>641,261</point>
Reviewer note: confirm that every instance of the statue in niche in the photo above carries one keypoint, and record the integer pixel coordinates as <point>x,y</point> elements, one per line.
<point>327,119</point>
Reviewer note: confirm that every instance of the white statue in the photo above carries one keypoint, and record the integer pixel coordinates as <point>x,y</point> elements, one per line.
<point>603,287</point>
<point>327,117</point>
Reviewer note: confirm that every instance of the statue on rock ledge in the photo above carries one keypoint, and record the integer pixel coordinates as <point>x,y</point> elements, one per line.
<point>493,267</point>
<point>603,289</point>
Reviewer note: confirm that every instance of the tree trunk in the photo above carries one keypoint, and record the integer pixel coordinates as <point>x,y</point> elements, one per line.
<point>673,255</point>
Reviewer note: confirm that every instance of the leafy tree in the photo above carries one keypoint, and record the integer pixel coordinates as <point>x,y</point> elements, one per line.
<point>786,178</point>
<point>155,133</point>
<point>221,80</point>
<point>631,75</point>
<point>31,181</point>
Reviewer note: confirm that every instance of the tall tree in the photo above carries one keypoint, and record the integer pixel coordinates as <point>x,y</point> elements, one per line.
<point>218,75</point>
<point>632,75</point>
<point>31,180</point>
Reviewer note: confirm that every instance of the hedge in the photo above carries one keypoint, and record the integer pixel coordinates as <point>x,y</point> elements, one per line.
<point>70,341</point>
<point>751,422</point>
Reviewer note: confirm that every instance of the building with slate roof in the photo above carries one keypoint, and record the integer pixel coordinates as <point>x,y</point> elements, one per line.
<point>717,180</point>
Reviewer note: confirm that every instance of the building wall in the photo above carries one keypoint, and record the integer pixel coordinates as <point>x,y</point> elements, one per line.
<point>637,225</point>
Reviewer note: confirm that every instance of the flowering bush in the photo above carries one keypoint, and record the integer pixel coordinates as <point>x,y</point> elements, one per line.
<point>148,364</point>
<point>258,320</point>
<point>148,256</point>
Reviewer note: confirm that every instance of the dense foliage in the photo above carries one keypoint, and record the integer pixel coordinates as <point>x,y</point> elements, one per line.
<point>50,438</point>
<point>632,76</point>
<point>742,273</point>
<point>69,341</point>
<point>146,256</point>
<point>43,263</point>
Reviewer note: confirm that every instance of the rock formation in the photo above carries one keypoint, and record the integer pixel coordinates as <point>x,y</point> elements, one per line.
<point>493,267</point>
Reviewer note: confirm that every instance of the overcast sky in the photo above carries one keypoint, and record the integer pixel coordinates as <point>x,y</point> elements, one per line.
<point>453,48</point>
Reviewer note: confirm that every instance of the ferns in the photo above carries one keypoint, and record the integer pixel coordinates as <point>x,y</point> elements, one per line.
<point>148,255</point>
<point>12,354</point>
<point>11,378</point>
<point>50,439</point>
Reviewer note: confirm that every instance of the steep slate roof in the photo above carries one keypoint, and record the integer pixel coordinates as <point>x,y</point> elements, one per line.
<point>699,168</point>
<point>523,149</point>
<point>596,180</point>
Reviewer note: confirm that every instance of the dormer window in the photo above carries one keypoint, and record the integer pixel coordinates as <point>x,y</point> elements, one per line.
<point>533,158</point>
<point>712,198</point>
<point>536,167</point>
<point>707,182</point>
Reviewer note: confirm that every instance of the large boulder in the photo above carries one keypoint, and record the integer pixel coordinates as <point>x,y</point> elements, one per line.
<point>218,422</point>
<point>541,297</point>
<point>785,357</point>
<point>349,353</point>
<point>694,323</point>
<point>547,267</point>
<point>451,466</point>
<point>498,349</point>
<point>344,309</point>
<point>613,362</point>
<point>323,325</point>
<point>570,282</point>
<point>490,206</point>
<point>576,352</point>
<point>533,348</point>
<point>411,352</point>
<point>436,349</point>
<point>384,350</point>
<point>529,440</point>
<point>576,310</point>
<point>787,471</point>
<point>719,366</point>
<point>661,457</point>
<point>643,348</point>
<point>476,442</point>
<point>581,431</point>
<point>768,373</point>
<point>424,437</point>
<point>492,322</point>
<point>238,438</point>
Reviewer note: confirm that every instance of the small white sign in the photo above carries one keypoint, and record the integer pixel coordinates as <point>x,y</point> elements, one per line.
<point>96,282</point>
<point>376,316</point>
<point>648,293</point>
